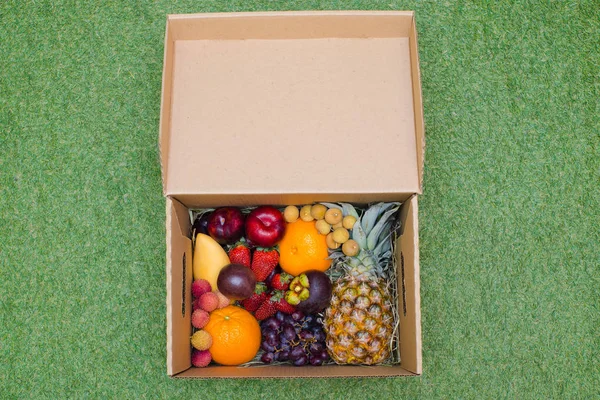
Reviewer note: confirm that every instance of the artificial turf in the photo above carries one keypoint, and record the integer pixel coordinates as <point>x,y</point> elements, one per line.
<point>510,215</point>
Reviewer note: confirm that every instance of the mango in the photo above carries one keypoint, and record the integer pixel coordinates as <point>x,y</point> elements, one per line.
<point>209,259</point>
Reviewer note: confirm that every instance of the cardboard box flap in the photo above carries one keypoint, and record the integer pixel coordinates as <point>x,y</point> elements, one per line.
<point>179,283</point>
<point>301,104</point>
<point>407,255</point>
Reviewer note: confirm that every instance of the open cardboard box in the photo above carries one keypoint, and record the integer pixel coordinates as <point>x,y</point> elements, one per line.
<point>290,108</point>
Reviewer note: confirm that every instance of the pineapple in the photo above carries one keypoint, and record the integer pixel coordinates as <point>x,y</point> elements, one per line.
<point>359,322</point>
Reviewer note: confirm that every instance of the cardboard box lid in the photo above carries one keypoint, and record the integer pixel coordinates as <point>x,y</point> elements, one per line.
<point>291,102</point>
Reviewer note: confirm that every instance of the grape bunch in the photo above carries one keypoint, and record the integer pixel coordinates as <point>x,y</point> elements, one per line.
<point>297,338</point>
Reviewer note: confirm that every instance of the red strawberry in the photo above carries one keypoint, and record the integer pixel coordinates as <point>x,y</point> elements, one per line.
<point>284,306</point>
<point>253,302</point>
<point>240,254</point>
<point>264,262</point>
<point>281,281</point>
<point>267,309</point>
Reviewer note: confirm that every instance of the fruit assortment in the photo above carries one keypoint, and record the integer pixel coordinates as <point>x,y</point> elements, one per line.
<point>263,286</point>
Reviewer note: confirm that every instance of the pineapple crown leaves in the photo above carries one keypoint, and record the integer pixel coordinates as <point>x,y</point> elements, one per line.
<point>373,231</point>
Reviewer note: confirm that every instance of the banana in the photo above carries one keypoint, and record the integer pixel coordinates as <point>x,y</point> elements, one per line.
<point>209,259</point>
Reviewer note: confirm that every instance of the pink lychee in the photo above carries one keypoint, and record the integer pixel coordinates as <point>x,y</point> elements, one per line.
<point>223,300</point>
<point>199,287</point>
<point>199,318</point>
<point>208,302</point>
<point>201,358</point>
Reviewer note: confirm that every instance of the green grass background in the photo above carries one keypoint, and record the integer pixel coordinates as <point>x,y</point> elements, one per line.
<point>510,216</point>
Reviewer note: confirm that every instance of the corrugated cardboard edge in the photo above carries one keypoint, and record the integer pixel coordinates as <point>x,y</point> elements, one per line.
<point>245,14</point>
<point>417,101</point>
<point>417,288</point>
<point>289,371</point>
<point>165,106</point>
<point>213,200</point>
<point>170,338</point>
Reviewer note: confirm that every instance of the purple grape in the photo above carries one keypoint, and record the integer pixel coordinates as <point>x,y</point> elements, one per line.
<point>267,347</point>
<point>302,360</point>
<point>288,319</point>
<point>269,334</point>
<point>273,340</point>
<point>280,316</point>
<point>324,355</point>
<point>319,335</point>
<point>288,332</point>
<point>283,341</point>
<point>316,361</point>
<point>284,355</point>
<point>285,346</point>
<point>297,352</point>
<point>271,323</point>
<point>267,358</point>
<point>316,327</point>
<point>315,348</point>
<point>306,335</point>
<point>297,315</point>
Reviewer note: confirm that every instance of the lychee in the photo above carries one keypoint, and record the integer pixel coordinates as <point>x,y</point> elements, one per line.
<point>208,302</point>
<point>201,340</point>
<point>195,305</point>
<point>199,318</point>
<point>201,358</point>
<point>223,300</point>
<point>199,287</point>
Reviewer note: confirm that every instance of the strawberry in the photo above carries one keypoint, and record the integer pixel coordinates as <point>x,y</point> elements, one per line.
<point>253,302</point>
<point>284,306</point>
<point>281,281</point>
<point>267,309</point>
<point>264,262</point>
<point>240,254</point>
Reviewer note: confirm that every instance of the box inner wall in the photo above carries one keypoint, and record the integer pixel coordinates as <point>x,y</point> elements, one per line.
<point>292,116</point>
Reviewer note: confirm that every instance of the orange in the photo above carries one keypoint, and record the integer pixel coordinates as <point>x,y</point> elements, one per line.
<point>235,335</point>
<point>303,248</point>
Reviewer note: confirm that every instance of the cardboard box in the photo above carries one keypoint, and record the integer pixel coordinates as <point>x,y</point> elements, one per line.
<point>290,108</point>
